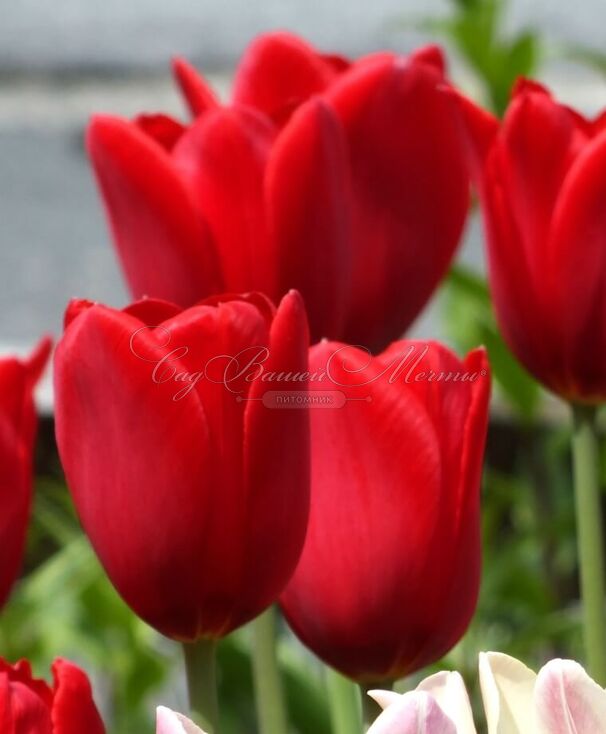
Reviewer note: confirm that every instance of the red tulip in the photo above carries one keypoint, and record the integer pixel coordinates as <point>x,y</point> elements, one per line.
<point>542,178</point>
<point>186,485</point>
<point>30,706</point>
<point>388,578</point>
<point>344,181</point>
<point>17,434</point>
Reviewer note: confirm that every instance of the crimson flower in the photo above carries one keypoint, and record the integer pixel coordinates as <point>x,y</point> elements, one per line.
<point>542,181</point>
<point>184,479</point>
<point>389,575</point>
<point>18,424</point>
<point>31,706</point>
<point>346,181</point>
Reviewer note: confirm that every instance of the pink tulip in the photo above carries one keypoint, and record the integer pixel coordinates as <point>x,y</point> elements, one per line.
<point>170,722</point>
<point>561,699</point>
<point>416,712</point>
<point>439,705</point>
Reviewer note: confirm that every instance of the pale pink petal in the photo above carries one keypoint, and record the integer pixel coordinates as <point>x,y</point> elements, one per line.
<point>448,689</point>
<point>385,698</point>
<point>170,722</point>
<point>507,691</point>
<point>568,701</point>
<point>414,713</point>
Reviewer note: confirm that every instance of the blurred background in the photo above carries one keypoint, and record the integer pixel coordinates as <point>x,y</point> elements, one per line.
<point>60,62</point>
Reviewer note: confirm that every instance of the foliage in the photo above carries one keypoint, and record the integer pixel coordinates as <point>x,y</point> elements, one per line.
<point>475,30</point>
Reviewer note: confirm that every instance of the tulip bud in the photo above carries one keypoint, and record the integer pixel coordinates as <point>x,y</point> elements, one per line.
<point>346,181</point>
<point>542,182</point>
<point>18,424</point>
<point>184,477</point>
<point>31,706</point>
<point>389,575</point>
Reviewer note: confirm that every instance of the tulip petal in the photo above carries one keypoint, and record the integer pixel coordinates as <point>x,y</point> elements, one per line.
<point>25,702</point>
<point>309,209</point>
<point>337,62</point>
<point>280,71</point>
<point>223,156</point>
<point>363,489</point>
<point>507,691</point>
<point>410,192</point>
<point>161,239</point>
<point>578,267</point>
<point>432,55</point>
<point>216,337</point>
<point>277,479</point>
<point>385,698</point>
<point>528,330</point>
<point>453,393</point>
<point>161,128</point>
<point>478,129</point>
<point>170,722</point>
<point>199,96</point>
<point>538,143</point>
<point>17,432</point>
<point>22,711</point>
<point>38,359</point>
<point>152,311</point>
<point>21,672</point>
<point>416,713</point>
<point>74,710</point>
<point>5,703</point>
<point>568,701</point>
<point>17,380</point>
<point>461,588</point>
<point>128,495</point>
<point>448,690</point>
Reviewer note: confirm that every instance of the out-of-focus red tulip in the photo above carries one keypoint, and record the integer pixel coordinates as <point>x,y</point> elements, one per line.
<point>31,706</point>
<point>17,433</point>
<point>279,71</point>
<point>542,180</point>
<point>184,477</point>
<point>388,578</point>
<point>345,181</point>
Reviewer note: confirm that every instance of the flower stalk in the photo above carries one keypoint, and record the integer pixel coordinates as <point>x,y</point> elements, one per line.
<point>590,538</point>
<point>269,695</point>
<point>201,672</point>
<point>370,708</point>
<point>344,702</point>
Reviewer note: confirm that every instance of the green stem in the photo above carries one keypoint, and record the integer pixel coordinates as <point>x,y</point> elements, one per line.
<point>344,700</point>
<point>271,712</point>
<point>590,538</point>
<point>370,708</point>
<point>201,671</point>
